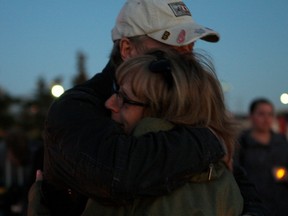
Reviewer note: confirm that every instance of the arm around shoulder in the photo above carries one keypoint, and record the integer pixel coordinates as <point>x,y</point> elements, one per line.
<point>88,152</point>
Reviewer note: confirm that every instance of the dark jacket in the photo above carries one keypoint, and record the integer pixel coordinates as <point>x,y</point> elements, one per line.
<point>260,162</point>
<point>85,150</point>
<point>214,192</point>
<point>219,196</point>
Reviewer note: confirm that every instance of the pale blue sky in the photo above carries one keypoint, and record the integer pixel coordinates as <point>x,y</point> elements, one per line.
<point>42,38</point>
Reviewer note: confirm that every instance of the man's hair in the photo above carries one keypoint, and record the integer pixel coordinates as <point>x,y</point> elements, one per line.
<point>256,102</point>
<point>139,44</point>
<point>180,88</point>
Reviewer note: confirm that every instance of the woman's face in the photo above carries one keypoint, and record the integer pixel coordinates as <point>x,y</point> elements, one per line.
<point>126,108</point>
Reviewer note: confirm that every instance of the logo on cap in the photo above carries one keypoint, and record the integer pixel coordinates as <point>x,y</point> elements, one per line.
<point>181,36</point>
<point>199,31</point>
<point>179,9</point>
<point>165,35</point>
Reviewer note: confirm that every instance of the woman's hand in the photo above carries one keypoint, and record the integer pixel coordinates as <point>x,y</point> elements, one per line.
<point>35,199</point>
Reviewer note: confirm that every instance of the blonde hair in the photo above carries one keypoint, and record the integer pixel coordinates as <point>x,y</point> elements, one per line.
<point>194,97</point>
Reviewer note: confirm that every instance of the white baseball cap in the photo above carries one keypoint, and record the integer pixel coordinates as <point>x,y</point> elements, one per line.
<point>167,21</point>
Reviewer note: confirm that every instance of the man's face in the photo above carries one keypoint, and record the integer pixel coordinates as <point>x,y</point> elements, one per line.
<point>262,118</point>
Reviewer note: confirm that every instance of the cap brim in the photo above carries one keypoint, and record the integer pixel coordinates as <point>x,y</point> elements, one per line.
<point>192,31</point>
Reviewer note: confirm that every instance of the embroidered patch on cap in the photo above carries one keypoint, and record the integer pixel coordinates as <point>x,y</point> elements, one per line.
<point>165,35</point>
<point>181,37</point>
<point>179,9</point>
<point>199,31</point>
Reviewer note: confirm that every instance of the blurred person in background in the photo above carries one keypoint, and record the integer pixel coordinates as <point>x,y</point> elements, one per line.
<point>264,154</point>
<point>17,172</point>
<point>20,158</point>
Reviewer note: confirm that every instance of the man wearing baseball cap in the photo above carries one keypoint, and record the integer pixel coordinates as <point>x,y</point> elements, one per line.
<point>169,22</point>
<point>87,153</point>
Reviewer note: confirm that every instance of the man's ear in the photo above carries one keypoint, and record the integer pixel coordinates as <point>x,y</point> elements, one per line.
<point>186,48</point>
<point>126,48</point>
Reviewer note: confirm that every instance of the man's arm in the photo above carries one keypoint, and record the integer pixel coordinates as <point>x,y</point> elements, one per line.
<point>88,152</point>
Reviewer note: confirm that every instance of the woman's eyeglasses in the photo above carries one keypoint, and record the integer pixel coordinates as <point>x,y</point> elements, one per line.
<point>123,99</point>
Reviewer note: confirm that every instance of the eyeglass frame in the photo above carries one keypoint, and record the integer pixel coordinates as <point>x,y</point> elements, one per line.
<point>124,98</point>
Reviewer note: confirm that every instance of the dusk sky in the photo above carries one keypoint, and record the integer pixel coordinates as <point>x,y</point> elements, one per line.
<point>41,38</point>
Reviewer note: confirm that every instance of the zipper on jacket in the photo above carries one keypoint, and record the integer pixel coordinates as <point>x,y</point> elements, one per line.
<point>210,171</point>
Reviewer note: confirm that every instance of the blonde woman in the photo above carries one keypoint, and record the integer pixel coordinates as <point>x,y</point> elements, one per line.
<point>156,91</point>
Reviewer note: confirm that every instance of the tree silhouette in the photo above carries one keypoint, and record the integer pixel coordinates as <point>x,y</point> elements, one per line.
<point>7,119</point>
<point>34,110</point>
<point>29,113</point>
<point>82,75</point>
